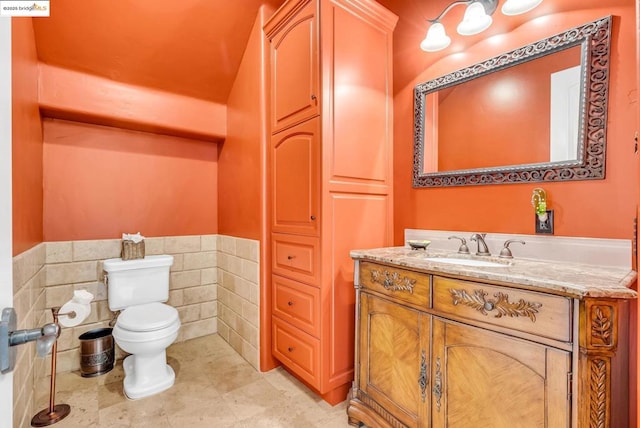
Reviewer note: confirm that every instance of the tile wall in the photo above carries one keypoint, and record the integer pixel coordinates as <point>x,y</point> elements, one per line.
<point>29,275</point>
<point>238,296</point>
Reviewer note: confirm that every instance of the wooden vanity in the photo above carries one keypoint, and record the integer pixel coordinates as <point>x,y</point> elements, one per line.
<point>528,344</point>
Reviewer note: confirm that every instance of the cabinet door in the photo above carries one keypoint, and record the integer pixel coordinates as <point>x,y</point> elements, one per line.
<point>394,354</point>
<point>485,379</point>
<point>295,159</point>
<point>294,69</point>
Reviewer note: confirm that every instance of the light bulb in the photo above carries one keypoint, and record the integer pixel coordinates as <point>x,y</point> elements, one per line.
<point>517,7</point>
<point>436,39</point>
<point>475,20</point>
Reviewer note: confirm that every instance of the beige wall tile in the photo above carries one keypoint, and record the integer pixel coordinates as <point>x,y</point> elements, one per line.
<point>59,252</point>
<point>199,328</point>
<point>96,250</point>
<point>248,249</point>
<point>204,293</point>
<point>69,273</point>
<point>178,262</point>
<point>18,272</point>
<point>59,295</point>
<point>189,313</point>
<point>183,279</point>
<point>154,246</point>
<point>201,260</point>
<point>251,354</point>
<point>251,271</point>
<point>182,244</point>
<point>248,332</point>
<point>208,309</point>
<point>251,313</point>
<point>209,276</point>
<point>223,330</point>
<point>209,242</point>
<point>234,265</point>
<point>242,288</point>
<point>176,298</point>
<point>227,244</point>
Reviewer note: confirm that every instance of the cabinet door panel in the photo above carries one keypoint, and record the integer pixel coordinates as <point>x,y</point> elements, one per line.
<point>294,70</point>
<point>295,161</point>
<point>482,378</point>
<point>394,347</point>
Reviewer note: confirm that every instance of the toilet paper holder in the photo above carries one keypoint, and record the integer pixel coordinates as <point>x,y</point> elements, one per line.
<point>10,337</point>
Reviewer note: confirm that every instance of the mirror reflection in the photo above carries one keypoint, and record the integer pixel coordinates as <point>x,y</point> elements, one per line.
<point>527,115</point>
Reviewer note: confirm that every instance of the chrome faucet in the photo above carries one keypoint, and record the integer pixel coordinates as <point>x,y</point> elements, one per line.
<point>482,246</point>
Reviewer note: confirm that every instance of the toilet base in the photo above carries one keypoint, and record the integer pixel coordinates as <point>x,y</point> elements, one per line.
<point>145,376</point>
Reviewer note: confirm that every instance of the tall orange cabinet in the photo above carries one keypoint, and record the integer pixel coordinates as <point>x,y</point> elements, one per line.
<point>331,180</point>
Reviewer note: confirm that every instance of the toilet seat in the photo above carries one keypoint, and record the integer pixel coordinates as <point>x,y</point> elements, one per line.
<point>147,317</point>
<point>146,323</point>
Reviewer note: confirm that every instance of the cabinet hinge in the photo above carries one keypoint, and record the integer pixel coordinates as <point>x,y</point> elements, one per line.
<point>569,385</point>
<point>635,145</point>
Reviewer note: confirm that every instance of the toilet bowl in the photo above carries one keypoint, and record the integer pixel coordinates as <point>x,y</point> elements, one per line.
<point>145,331</point>
<point>145,326</point>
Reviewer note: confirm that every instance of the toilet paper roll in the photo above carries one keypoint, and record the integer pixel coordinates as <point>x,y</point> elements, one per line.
<point>82,311</point>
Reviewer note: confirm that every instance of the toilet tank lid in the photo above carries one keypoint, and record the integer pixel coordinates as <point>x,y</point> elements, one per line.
<point>114,265</point>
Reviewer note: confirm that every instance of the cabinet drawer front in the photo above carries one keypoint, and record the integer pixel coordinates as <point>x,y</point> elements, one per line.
<point>296,257</point>
<point>297,350</point>
<point>405,285</point>
<point>296,303</point>
<point>526,311</point>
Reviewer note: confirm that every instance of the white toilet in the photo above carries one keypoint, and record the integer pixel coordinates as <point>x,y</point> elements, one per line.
<point>145,326</point>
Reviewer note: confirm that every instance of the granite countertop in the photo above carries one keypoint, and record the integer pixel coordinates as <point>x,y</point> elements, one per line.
<point>571,279</point>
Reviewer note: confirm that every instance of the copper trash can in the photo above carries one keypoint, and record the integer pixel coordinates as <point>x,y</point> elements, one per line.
<point>97,352</point>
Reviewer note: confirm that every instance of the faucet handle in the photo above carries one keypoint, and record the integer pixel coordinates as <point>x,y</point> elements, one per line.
<point>463,245</point>
<point>506,252</point>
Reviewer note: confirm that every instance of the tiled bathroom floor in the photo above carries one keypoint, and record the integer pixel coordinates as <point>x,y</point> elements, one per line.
<point>215,387</point>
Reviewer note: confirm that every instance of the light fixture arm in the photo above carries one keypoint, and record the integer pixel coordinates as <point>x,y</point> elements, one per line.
<point>490,6</point>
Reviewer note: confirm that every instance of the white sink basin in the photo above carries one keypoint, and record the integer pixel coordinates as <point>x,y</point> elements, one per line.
<point>465,262</point>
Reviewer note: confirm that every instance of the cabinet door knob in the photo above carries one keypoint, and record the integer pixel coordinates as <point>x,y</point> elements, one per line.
<point>291,257</point>
<point>290,303</point>
<point>313,97</point>
<point>290,348</point>
<point>313,217</point>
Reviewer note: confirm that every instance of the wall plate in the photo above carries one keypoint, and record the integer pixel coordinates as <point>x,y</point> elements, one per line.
<point>544,227</point>
<point>7,353</point>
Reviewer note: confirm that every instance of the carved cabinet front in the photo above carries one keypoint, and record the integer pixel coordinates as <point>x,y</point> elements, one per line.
<point>486,379</point>
<point>438,351</point>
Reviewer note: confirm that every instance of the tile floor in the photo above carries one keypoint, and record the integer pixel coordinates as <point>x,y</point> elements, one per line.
<point>215,387</point>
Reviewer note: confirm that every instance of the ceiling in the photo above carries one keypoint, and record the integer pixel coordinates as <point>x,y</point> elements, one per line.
<point>188,47</point>
<point>194,47</point>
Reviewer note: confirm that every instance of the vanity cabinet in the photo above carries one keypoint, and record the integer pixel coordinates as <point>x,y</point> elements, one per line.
<point>439,351</point>
<point>330,156</point>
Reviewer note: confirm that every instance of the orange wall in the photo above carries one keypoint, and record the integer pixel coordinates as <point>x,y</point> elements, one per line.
<point>599,208</point>
<point>26,138</point>
<point>241,155</point>
<point>100,182</point>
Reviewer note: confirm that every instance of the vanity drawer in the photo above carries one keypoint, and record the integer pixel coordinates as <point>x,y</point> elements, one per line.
<point>405,285</point>
<point>530,312</point>
<point>296,350</point>
<point>297,303</point>
<point>296,257</point>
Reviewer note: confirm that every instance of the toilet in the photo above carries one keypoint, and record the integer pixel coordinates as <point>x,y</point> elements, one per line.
<point>145,326</point>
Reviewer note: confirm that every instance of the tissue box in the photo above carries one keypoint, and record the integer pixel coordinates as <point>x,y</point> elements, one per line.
<point>131,250</point>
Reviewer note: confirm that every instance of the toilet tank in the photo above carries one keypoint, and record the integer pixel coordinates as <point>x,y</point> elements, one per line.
<point>135,282</point>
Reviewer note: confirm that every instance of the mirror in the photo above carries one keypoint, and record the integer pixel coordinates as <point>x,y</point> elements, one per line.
<point>537,113</point>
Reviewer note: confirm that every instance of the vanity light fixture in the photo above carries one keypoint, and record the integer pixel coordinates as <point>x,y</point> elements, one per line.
<point>477,18</point>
